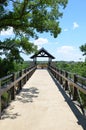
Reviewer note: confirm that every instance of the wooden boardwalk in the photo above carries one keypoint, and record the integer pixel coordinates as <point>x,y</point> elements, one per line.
<point>41,106</point>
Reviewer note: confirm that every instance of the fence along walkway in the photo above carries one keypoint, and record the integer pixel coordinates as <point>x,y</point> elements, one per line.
<point>40,106</point>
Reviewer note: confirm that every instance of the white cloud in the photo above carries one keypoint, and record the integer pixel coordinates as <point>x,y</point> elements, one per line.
<point>68,53</point>
<point>65,49</point>
<point>75,25</point>
<point>65,30</point>
<point>7,32</point>
<point>41,41</point>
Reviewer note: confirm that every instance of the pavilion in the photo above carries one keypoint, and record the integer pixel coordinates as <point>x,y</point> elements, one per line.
<point>42,53</point>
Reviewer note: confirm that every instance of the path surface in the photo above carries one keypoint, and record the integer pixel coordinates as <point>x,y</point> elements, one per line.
<point>40,106</point>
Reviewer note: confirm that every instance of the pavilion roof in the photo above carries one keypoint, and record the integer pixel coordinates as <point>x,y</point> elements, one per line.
<point>42,53</point>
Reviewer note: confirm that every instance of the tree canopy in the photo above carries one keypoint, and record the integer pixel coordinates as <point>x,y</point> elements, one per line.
<point>27,17</point>
<point>83,49</point>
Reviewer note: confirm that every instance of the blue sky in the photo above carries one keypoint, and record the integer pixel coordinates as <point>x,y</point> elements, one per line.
<point>66,45</point>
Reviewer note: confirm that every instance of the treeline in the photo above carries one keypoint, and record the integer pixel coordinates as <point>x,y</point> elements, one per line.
<point>73,67</point>
<point>7,67</point>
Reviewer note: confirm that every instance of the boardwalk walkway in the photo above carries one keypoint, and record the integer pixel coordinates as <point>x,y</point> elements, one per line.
<point>40,106</point>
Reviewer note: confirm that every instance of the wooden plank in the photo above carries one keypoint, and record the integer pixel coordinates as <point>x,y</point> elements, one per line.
<point>6,77</point>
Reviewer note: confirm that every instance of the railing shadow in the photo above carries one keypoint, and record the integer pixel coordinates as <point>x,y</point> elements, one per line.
<point>27,95</point>
<point>80,117</point>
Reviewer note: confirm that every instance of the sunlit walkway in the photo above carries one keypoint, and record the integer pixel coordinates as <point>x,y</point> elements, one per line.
<point>40,106</point>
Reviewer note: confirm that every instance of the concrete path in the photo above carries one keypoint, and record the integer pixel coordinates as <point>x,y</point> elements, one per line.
<point>40,106</point>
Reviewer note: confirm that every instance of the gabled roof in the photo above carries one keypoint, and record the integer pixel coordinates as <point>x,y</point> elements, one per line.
<point>42,53</point>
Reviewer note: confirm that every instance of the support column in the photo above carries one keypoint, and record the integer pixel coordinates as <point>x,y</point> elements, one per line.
<point>34,61</point>
<point>49,61</point>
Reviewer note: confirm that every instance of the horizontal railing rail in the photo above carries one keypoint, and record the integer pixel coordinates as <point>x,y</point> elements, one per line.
<point>81,81</point>
<point>6,80</point>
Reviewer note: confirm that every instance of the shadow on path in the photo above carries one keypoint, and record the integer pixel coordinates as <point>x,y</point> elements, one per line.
<point>27,95</point>
<point>80,117</point>
<point>9,113</point>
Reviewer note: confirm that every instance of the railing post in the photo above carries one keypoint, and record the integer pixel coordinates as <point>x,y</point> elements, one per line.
<point>20,83</point>
<point>57,74</point>
<point>29,74</point>
<point>75,93</point>
<point>13,88</point>
<point>0,99</point>
<point>25,78</point>
<point>60,78</point>
<point>26,75</point>
<point>66,82</point>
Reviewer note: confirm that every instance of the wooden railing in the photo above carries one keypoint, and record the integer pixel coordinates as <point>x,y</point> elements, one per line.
<point>12,84</point>
<point>73,84</point>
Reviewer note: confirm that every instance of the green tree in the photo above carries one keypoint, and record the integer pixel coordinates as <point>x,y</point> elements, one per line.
<point>27,17</point>
<point>12,48</point>
<point>83,49</point>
